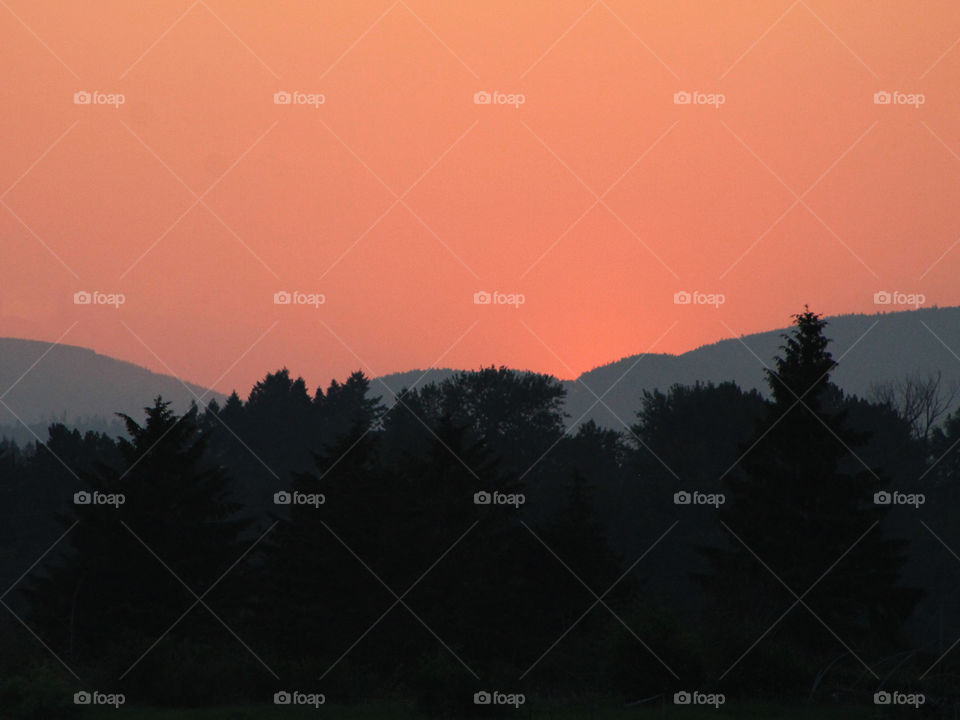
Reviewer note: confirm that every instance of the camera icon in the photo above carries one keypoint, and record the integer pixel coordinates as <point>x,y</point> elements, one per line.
<point>482,698</point>
<point>282,298</point>
<point>82,97</point>
<point>882,698</point>
<point>882,298</point>
<point>682,298</point>
<point>282,698</point>
<point>882,498</point>
<point>82,298</point>
<point>82,498</point>
<point>482,498</point>
<point>682,698</point>
<point>682,498</point>
<point>682,98</point>
<point>482,297</point>
<point>82,698</point>
<point>482,98</point>
<point>282,97</point>
<point>282,498</point>
<point>882,98</point>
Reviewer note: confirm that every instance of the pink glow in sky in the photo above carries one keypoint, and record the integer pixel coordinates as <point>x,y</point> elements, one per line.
<point>598,198</point>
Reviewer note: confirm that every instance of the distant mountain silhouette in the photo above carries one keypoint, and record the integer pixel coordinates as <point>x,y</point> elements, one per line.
<point>77,386</point>
<point>868,348</point>
<point>84,389</point>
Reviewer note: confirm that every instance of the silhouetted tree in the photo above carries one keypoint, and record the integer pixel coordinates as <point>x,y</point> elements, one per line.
<point>165,522</point>
<point>518,415</point>
<point>921,400</point>
<point>803,506</point>
<point>347,406</point>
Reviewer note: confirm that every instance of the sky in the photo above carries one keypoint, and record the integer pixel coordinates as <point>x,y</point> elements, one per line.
<point>586,166</point>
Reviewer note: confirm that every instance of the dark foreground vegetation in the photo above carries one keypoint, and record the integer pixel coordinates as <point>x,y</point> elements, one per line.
<point>738,552</point>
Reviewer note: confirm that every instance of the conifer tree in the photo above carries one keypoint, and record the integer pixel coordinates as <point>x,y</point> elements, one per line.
<point>803,503</point>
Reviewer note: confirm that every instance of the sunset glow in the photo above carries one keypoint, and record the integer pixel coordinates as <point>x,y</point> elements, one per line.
<point>387,188</point>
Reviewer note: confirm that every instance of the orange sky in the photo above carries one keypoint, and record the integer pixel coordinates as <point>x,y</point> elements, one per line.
<point>398,198</point>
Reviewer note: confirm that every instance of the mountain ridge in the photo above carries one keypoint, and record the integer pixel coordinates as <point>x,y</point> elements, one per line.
<point>869,349</point>
<point>81,387</point>
<point>41,383</point>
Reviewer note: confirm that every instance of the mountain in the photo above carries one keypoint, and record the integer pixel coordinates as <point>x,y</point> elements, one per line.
<point>75,385</point>
<point>84,389</point>
<point>869,349</point>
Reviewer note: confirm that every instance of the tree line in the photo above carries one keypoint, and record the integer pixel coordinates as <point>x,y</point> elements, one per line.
<point>794,545</point>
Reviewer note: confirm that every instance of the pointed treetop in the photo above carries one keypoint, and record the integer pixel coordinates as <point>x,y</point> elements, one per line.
<point>803,370</point>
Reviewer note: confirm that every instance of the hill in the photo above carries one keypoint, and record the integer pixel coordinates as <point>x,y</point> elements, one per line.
<point>77,386</point>
<point>869,349</point>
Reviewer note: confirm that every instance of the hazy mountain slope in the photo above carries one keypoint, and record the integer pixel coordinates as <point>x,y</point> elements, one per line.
<point>78,385</point>
<point>869,348</point>
<point>82,387</point>
<point>387,386</point>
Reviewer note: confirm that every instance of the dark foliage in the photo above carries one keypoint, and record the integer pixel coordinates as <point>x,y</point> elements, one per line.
<point>464,538</point>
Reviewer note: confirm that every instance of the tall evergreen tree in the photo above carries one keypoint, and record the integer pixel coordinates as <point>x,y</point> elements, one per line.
<point>346,406</point>
<point>162,504</point>
<point>800,502</point>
